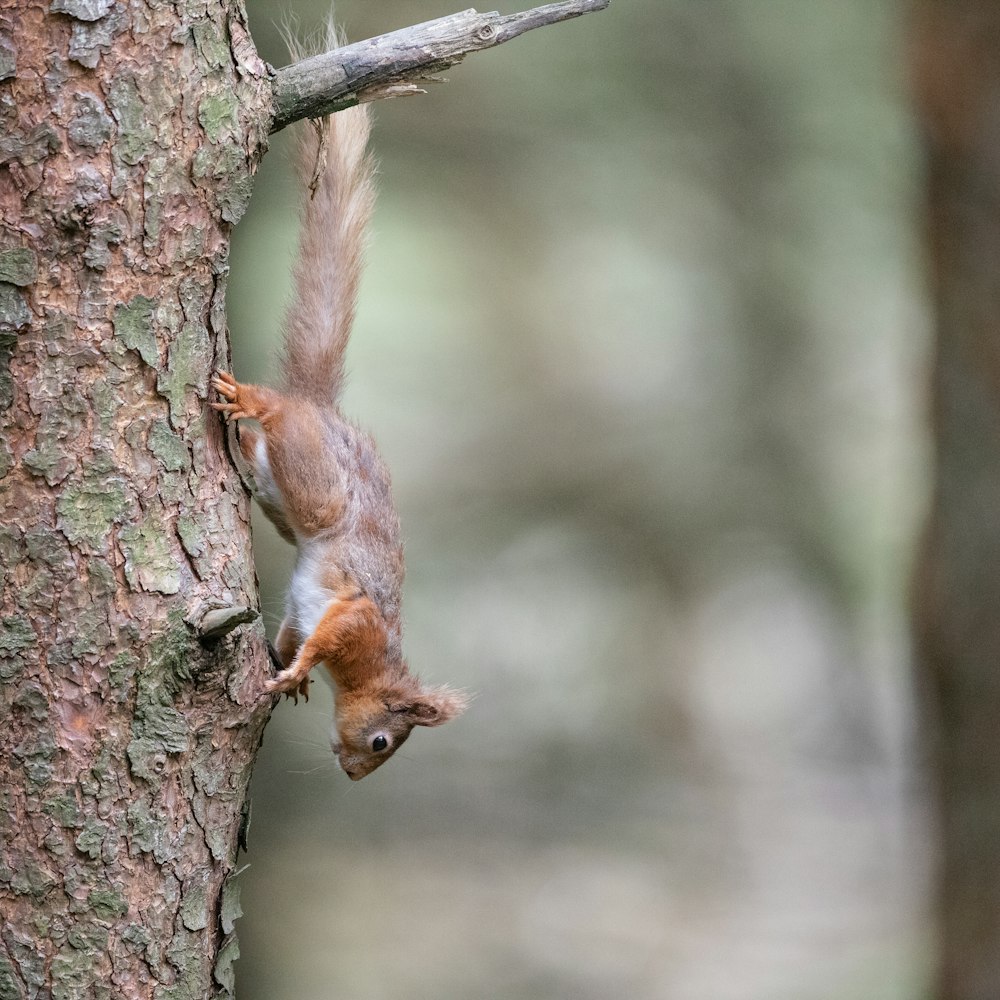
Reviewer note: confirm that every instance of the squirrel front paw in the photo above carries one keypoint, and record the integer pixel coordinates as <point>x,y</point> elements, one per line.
<point>289,684</point>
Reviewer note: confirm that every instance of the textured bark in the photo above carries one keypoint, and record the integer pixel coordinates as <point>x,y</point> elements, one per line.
<point>956,63</point>
<point>129,135</point>
<point>391,64</point>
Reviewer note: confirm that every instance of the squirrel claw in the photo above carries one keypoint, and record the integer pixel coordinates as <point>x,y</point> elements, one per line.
<point>302,689</point>
<point>227,387</point>
<point>288,686</point>
<point>231,411</point>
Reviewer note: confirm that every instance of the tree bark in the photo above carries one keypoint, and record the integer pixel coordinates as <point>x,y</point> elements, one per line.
<point>956,68</point>
<point>130,132</point>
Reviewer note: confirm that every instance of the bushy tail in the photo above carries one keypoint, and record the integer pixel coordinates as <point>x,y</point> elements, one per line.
<point>336,178</point>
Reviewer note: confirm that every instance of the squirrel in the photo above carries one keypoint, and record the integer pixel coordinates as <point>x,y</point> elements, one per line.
<point>321,480</point>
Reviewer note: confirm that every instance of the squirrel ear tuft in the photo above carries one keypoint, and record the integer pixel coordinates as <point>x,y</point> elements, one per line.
<point>432,706</point>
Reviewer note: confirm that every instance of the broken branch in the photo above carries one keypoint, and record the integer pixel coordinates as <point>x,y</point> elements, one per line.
<point>395,62</point>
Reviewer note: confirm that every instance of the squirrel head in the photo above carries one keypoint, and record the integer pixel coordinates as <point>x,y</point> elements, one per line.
<point>371,725</point>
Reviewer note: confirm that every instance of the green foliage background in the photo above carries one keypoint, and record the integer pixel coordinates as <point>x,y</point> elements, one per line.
<point>642,338</point>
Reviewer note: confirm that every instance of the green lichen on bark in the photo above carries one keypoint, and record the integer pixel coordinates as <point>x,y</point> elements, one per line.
<point>6,382</point>
<point>186,954</point>
<point>121,672</point>
<point>133,325</point>
<point>88,937</point>
<point>72,974</point>
<point>14,312</point>
<point>146,759</point>
<point>224,172</point>
<point>218,114</point>
<point>29,964</point>
<point>136,134</point>
<point>212,43</point>
<point>19,266</point>
<point>107,903</point>
<point>97,681</point>
<point>194,906</point>
<point>29,146</point>
<point>106,403</point>
<point>189,366</point>
<point>230,910</point>
<point>32,879</point>
<point>64,810</point>
<point>192,535</point>
<point>158,729</point>
<point>32,701</point>
<point>36,753</point>
<point>172,651</point>
<point>165,726</point>
<point>16,637</point>
<point>10,988</point>
<point>168,447</point>
<point>45,546</point>
<point>150,564</point>
<point>52,458</point>
<point>136,934</point>
<point>91,838</point>
<point>225,974</point>
<point>97,256</point>
<point>149,833</point>
<point>88,509</point>
<point>93,634</point>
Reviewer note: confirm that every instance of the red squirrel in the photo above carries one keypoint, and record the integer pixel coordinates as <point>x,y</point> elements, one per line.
<point>322,482</point>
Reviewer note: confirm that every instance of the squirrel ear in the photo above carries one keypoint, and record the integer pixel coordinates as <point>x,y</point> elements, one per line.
<point>432,706</point>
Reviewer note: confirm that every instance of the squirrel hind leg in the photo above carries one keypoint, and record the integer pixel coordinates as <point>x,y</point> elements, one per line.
<point>242,401</point>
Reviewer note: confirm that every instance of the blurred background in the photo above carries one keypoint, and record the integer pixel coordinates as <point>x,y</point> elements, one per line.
<point>643,339</point>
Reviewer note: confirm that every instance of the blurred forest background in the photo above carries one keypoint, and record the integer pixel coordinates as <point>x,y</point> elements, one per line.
<point>644,339</point>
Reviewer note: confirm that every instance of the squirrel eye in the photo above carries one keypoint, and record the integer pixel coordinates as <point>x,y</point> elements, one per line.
<point>379,743</point>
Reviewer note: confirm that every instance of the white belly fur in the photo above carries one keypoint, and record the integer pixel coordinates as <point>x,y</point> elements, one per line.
<point>308,600</point>
<point>266,486</point>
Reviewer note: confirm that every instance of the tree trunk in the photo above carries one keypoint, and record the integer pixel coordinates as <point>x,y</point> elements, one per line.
<point>957,79</point>
<point>130,659</point>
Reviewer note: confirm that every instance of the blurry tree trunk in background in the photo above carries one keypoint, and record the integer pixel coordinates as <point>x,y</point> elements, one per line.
<point>129,135</point>
<point>956,72</point>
